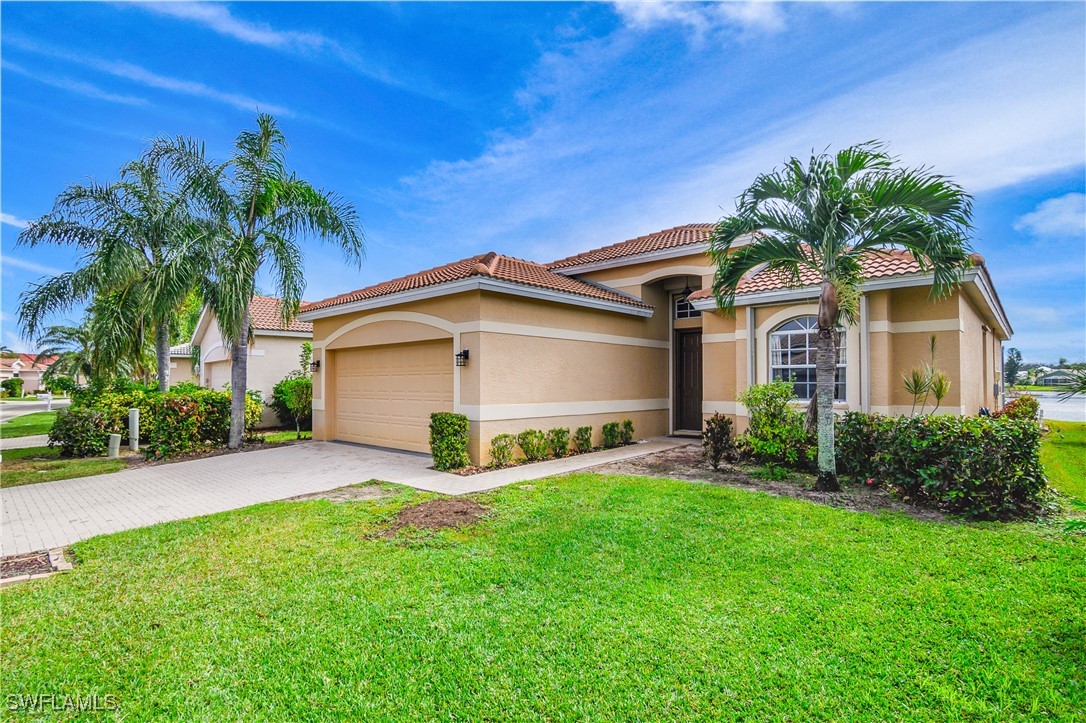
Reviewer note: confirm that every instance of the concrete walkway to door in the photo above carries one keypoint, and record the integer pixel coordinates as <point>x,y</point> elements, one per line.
<point>53,514</point>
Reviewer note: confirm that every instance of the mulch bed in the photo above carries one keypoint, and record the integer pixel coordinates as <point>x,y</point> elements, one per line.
<point>138,460</point>
<point>471,469</point>
<point>32,563</point>
<point>686,463</point>
<point>448,512</point>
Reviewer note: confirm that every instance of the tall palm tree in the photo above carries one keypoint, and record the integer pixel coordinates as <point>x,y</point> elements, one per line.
<point>260,212</point>
<point>130,233</point>
<point>823,219</point>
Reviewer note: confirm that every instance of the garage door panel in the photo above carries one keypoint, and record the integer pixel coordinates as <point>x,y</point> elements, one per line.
<point>385,394</point>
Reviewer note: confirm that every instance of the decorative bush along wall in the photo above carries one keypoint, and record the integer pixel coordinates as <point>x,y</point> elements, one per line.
<point>501,450</point>
<point>449,440</point>
<point>583,439</point>
<point>533,443</point>
<point>717,440</point>
<point>558,441</point>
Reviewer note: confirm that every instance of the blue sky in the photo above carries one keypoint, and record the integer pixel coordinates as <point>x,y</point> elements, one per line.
<point>540,129</point>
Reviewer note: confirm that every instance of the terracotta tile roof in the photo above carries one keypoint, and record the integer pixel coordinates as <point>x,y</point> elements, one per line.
<point>693,233</point>
<point>493,265</point>
<point>875,266</point>
<point>27,361</point>
<point>264,314</point>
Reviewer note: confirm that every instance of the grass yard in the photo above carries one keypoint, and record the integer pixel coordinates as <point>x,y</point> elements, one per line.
<point>284,436</point>
<point>44,464</point>
<point>28,425</point>
<point>1063,453</point>
<point>577,597</point>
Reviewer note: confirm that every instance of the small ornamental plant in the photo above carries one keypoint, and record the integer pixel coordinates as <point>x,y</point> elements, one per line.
<point>612,435</point>
<point>583,439</point>
<point>717,440</point>
<point>626,431</point>
<point>533,443</point>
<point>558,441</point>
<point>501,450</point>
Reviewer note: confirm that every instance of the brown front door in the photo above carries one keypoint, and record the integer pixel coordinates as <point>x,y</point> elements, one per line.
<point>688,381</point>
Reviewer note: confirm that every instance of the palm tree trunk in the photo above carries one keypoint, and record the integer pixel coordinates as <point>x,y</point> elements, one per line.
<point>825,377</point>
<point>239,374</point>
<point>162,354</point>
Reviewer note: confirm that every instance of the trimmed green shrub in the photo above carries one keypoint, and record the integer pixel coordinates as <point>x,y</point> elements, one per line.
<point>583,439</point>
<point>60,383</point>
<point>776,433</point>
<point>558,441</point>
<point>449,440</point>
<point>717,440</point>
<point>13,386</point>
<point>501,450</point>
<point>1023,407</point>
<point>79,433</point>
<point>533,443</point>
<point>292,400</point>
<point>187,423</point>
<point>612,435</point>
<point>626,431</point>
<point>857,438</point>
<point>978,467</point>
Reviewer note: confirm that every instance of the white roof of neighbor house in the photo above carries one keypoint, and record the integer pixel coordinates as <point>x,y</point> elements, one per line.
<point>181,350</point>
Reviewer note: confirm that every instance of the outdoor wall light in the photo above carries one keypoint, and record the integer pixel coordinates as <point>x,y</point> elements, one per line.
<point>462,358</point>
<point>315,365</point>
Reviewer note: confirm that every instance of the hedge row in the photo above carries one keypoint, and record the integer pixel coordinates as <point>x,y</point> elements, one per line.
<point>978,467</point>
<point>180,421</point>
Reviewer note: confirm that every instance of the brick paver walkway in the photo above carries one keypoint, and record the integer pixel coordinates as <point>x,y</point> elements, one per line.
<point>53,514</point>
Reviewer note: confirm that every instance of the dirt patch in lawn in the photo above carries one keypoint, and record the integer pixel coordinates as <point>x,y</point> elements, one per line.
<point>687,463</point>
<point>32,563</point>
<point>439,514</point>
<point>354,493</point>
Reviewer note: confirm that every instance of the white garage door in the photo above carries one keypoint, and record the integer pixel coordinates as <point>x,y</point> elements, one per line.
<point>218,375</point>
<point>385,394</point>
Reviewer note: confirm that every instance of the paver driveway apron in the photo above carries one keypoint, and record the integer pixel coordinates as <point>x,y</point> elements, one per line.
<point>53,514</point>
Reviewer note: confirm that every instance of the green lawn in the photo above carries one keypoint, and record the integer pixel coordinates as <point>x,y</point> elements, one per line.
<point>28,424</point>
<point>284,436</point>
<point>1063,453</point>
<point>44,464</point>
<point>582,597</point>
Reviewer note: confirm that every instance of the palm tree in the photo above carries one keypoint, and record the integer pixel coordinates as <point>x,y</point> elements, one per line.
<point>74,348</point>
<point>260,211</point>
<point>823,219</point>
<point>130,232</point>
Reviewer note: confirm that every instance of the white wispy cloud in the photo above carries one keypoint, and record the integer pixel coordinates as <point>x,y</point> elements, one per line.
<point>604,160</point>
<point>218,17</point>
<point>13,261</point>
<point>703,18</point>
<point>76,86</point>
<point>10,220</point>
<point>1060,217</point>
<point>143,76</point>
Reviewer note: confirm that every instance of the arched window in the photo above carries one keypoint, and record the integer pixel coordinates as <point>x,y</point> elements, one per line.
<point>792,349</point>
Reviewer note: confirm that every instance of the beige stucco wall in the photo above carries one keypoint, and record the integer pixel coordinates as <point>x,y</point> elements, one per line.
<point>272,356</point>
<point>181,370</point>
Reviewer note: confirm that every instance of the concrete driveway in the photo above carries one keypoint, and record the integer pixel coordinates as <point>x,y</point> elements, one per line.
<point>53,514</point>
<point>11,410</point>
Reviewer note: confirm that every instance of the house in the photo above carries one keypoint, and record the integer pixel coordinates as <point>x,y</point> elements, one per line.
<point>274,350</point>
<point>183,365</point>
<point>627,330</point>
<point>1055,378</point>
<point>27,368</point>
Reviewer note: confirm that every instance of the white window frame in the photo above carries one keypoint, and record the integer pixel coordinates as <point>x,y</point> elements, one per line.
<point>683,309</point>
<point>809,325</point>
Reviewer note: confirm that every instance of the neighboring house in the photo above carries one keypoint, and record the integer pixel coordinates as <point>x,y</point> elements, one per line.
<point>625,331</point>
<point>274,349</point>
<point>183,365</point>
<point>1055,378</point>
<point>24,367</point>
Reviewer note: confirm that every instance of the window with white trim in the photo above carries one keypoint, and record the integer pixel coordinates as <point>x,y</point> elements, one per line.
<point>684,309</point>
<point>792,351</point>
